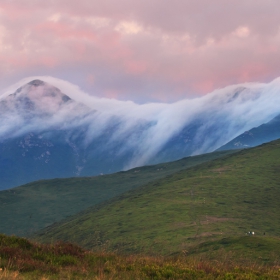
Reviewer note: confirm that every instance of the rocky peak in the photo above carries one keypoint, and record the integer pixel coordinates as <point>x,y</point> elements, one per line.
<point>35,97</point>
<point>36,83</point>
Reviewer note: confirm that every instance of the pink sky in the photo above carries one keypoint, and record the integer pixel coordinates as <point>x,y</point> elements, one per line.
<point>156,50</point>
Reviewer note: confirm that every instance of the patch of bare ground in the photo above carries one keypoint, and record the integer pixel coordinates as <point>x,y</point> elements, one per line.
<point>178,225</point>
<point>221,169</point>
<point>211,219</point>
<point>208,234</point>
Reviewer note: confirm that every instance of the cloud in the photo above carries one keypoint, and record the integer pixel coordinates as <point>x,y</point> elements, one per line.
<point>141,50</point>
<point>142,130</point>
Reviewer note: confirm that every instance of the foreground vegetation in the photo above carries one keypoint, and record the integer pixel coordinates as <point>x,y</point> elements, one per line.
<point>215,201</point>
<point>22,259</point>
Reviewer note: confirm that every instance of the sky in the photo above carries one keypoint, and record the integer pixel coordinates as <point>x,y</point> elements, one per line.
<point>140,50</point>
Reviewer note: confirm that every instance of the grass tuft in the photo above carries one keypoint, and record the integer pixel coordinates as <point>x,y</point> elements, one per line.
<point>68,261</point>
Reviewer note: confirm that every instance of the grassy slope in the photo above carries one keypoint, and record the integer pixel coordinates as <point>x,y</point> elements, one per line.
<point>221,199</point>
<point>22,259</point>
<point>33,206</point>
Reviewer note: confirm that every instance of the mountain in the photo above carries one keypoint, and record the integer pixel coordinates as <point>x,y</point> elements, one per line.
<point>34,144</point>
<point>43,134</point>
<point>255,136</point>
<point>205,208</point>
<point>34,99</point>
<point>49,133</point>
<point>28,208</point>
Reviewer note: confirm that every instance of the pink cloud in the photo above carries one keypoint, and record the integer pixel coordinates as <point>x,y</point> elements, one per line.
<point>65,31</point>
<point>136,67</point>
<point>166,50</point>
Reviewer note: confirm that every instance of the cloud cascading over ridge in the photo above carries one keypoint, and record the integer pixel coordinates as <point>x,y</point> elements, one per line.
<point>141,50</point>
<point>145,129</point>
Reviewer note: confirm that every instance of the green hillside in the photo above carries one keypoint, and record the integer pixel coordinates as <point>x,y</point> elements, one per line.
<point>25,209</point>
<point>218,201</point>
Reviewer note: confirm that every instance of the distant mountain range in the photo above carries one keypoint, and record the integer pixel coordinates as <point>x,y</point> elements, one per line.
<point>45,133</point>
<point>255,136</point>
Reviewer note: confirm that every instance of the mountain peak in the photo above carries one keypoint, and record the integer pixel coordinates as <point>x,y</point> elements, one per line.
<point>36,97</point>
<point>37,83</point>
<point>38,89</point>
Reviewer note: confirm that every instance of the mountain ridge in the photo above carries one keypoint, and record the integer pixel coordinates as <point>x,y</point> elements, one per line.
<point>256,136</point>
<point>97,136</point>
